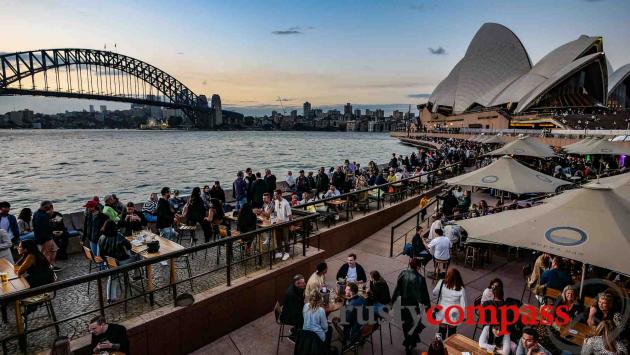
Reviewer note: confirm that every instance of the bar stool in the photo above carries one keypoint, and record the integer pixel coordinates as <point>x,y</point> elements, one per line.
<point>473,256</point>
<point>439,266</point>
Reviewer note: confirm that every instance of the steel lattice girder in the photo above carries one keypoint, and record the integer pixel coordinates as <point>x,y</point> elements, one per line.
<point>21,65</point>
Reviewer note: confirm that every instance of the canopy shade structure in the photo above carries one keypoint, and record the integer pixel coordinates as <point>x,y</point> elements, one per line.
<point>507,174</point>
<point>475,138</point>
<point>599,146</point>
<point>525,146</point>
<point>590,225</point>
<point>490,140</point>
<point>575,145</point>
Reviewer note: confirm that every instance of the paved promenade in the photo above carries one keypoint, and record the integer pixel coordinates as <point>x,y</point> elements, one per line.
<point>260,336</point>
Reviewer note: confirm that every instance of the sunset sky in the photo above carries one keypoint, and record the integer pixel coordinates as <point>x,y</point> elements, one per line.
<point>326,52</point>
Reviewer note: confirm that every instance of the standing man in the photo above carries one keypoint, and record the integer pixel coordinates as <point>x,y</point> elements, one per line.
<point>249,179</point>
<point>339,179</point>
<point>109,210</point>
<point>290,180</point>
<point>239,191</point>
<point>92,224</point>
<point>258,189</point>
<point>270,181</point>
<point>165,215</point>
<point>8,222</point>
<point>217,192</point>
<point>322,182</point>
<point>43,232</point>
<point>411,289</point>
<point>293,305</point>
<point>302,185</point>
<point>282,209</point>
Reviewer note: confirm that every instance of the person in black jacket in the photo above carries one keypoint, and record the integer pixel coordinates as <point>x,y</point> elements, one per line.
<point>132,220</point>
<point>322,182</point>
<point>108,336</point>
<point>217,192</point>
<point>165,215</point>
<point>270,181</point>
<point>339,179</point>
<point>92,224</point>
<point>419,248</point>
<point>352,270</point>
<point>378,295</point>
<point>411,288</point>
<point>258,189</point>
<point>60,233</point>
<point>247,223</point>
<point>293,305</point>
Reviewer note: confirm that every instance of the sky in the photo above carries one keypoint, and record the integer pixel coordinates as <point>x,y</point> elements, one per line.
<point>368,52</point>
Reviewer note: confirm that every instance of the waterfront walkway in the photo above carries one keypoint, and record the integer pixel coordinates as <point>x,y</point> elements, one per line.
<point>260,336</point>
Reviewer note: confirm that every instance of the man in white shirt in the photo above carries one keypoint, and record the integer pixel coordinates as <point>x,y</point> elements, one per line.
<point>440,246</point>
<point>437,224</point>
<point>282,210</point>
<point>290,181</point>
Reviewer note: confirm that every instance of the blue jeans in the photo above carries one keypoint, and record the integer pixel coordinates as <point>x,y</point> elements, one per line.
<point>113,281</point>
<point>239,203</point>
<point>168,233</point>
<point>150,218</point>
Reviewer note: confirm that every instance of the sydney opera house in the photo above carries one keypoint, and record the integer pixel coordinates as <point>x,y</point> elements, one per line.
<point>496,86</point>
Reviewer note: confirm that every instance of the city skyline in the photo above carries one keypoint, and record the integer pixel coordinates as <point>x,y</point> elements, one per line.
<point>368,53</point>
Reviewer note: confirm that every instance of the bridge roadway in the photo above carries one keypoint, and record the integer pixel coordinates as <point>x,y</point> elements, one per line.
<point>260,336</point>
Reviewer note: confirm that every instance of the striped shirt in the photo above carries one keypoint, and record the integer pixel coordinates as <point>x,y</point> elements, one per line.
<point>149,206</point>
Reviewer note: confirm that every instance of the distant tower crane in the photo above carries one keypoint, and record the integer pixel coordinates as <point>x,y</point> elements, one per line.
<point>281,105</point>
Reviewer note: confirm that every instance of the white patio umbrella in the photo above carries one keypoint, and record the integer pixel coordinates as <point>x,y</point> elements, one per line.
<point>571,146</point>
<point>525,146</point>
<point>491,140</point>
<point>589,224</point>
<point>599,146</point>
<point>507,174</point>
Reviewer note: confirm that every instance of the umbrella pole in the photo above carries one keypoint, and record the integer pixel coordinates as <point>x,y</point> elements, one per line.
<point>582,281</point>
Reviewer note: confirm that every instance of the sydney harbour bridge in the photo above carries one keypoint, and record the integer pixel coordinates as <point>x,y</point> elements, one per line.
<point>99,75</point>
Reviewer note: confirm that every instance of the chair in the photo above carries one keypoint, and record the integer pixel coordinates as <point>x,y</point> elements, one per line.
<point>29,306</point>
<point>476,304</point>
<point>308,342</point>
<point>277,311</point>
<point>112,263</point>
<point>473,256</point>
<point>93,259</point>
<point>527,271</point>
<point>439,266</point>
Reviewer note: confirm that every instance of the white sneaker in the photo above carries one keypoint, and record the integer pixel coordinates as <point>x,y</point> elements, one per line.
<point>278,255</point>
<point>336,217</point>
<point>163,263</point>
<point>266,242</point>
<point>285,256</point>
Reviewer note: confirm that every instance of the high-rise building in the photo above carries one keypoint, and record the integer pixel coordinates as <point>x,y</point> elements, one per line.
<point>307,110</point>
<point>294,115</point>
<point>92,108</point>
<point>347,110</point>
<point>357,113</point>
<point>215,109</point>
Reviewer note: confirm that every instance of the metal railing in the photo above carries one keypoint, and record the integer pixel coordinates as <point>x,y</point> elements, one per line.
<point>399,190</point>
<point>228,267</point>
<point>419,218</point>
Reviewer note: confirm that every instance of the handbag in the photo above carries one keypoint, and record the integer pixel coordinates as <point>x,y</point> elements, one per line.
<point>434,313</point>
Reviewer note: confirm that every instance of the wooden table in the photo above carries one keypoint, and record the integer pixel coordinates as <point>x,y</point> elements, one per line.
<point>457,344</point>
<point>583,331</point>
<point>336,203</point>
<point>166,246</point>
<point>15,284</point>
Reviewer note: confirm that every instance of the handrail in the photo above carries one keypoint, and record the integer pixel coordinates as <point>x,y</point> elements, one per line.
<point>417,216</point>
<point>105,273</point>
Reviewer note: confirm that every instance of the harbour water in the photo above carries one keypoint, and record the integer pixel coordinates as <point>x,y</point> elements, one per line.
<point>70,166</point>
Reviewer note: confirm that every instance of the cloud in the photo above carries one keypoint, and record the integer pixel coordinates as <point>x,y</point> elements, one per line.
<point>419,96</point>
<point>295,30</point>
<point>417,7</point>
<point>437,51</point>
<point>205,82</point>
<point>283,99</point>
<point>180,53</point>
<point>386,85</point>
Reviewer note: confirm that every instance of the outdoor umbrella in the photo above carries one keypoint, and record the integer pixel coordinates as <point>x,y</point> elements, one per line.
<point>525,146</point>
<point>491,139</point>
<point>571,146</point>
<point>507,174</point>
<point>599,146</point>
<point>589,224</point>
